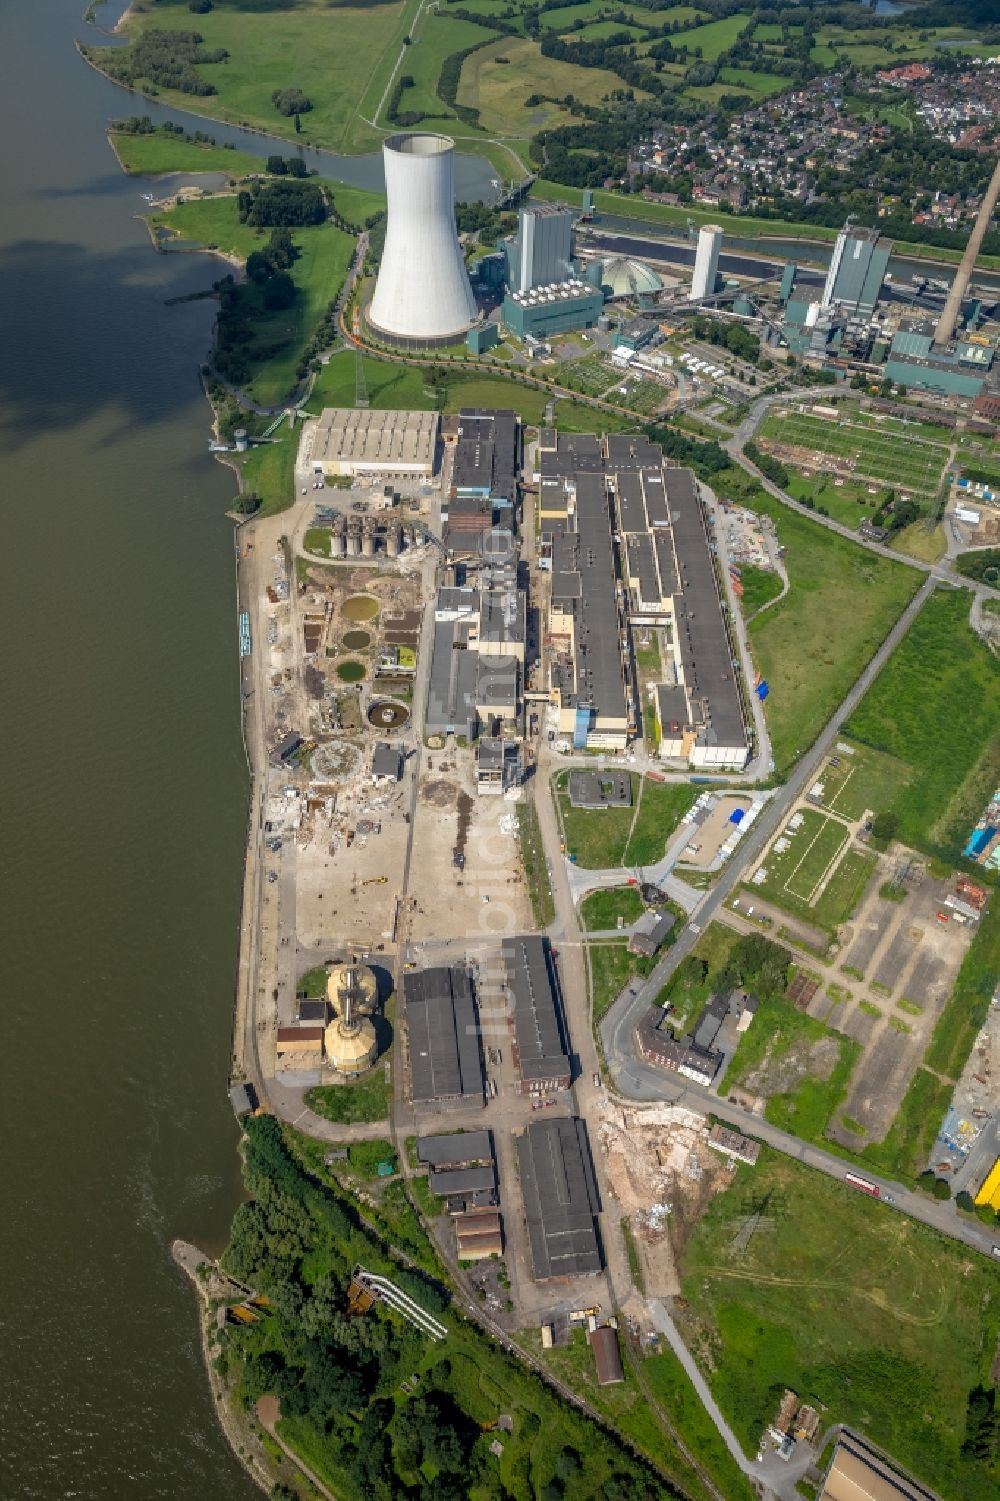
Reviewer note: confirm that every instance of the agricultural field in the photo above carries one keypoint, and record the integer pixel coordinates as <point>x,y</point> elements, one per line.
<point>812,644</point>
<point>716,37</point>
<point>936,707</point>
<point>882,1324</point>
<point>498,90</point>
<point>879,455</point>
<point>437,37</point>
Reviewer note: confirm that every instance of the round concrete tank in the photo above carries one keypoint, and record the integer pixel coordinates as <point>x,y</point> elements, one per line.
<point>392,541</point>
<point>338,542</point>
<point>368,543</point>
<point>353,544</point>
<point>423,290</point>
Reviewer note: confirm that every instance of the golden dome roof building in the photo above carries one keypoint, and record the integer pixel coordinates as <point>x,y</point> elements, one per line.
<point>349,1040</point>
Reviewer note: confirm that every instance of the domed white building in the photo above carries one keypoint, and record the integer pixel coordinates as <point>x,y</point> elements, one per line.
<point>349,1040</point>
<point>629,278</point>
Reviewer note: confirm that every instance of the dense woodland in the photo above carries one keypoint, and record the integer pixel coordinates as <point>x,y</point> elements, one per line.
<point>340,1379</point>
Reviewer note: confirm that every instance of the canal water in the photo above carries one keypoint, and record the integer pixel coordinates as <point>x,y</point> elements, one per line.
<point>123,792</point>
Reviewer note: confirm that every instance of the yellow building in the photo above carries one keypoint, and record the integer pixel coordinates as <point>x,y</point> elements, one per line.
<point>990,1191</point>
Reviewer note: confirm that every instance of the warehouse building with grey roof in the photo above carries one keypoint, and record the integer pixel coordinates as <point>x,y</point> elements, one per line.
<point>541,1049</point>
<point>561,1200</point>
<point>446,1064</point>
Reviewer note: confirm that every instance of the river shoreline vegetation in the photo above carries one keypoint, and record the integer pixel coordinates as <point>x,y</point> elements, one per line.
<point>375,1408</point>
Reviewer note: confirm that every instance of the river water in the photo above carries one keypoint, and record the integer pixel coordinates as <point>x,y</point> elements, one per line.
<point>123,793</point>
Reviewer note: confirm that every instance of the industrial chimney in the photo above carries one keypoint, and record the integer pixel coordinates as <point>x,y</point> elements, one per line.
<point>422,292</point>
<point>953,306</point>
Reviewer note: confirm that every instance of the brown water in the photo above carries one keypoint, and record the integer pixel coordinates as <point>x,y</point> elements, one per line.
<point>122,789</point>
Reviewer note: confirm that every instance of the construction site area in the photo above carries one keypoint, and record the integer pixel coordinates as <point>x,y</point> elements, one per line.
<point>664,1163</point>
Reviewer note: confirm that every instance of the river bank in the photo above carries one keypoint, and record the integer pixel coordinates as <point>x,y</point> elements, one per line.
<point>211,1289</point>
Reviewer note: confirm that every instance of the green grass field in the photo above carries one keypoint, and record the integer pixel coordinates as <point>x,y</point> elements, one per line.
<point>662,805</point>
<point>339,56</point>
<point>864,779</point>
<point>716,37</point>
<point>936,707</point>
<point>811,852</point>
<point>611,968</point>
<point>602,909</point>
<point>812,644</point>
<point>873,1318</point>
<point>597,837</point>
<point>908,462</point>
<point>278,337</point>
<point>162,152</point>
<point>760,586</point>
<point>366,1099</point>
<point>763,84</point>
<point>437,37</point>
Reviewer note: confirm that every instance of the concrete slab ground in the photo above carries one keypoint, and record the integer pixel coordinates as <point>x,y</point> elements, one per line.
<point>486,897</point>
<point>708,837</point>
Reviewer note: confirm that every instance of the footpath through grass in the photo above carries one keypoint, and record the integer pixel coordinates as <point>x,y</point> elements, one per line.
<point>936,706</point>
<point>875,1319</point>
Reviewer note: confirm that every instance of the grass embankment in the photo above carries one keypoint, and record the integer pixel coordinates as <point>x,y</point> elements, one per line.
<point>936,707</point>
<point>873,1318</point>
<point>163,151</point>
<point>841,604</point>
<point>744,226</point>
<point>536,873</point>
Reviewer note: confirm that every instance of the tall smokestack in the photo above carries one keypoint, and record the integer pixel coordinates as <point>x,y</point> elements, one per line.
<point>953,306</point>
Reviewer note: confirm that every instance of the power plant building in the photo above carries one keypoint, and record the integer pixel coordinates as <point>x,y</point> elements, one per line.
<point>548,311</point>
<point>541,253</point>
<point>857,270</point>
<point>706,262</point>
<point>422,295</point>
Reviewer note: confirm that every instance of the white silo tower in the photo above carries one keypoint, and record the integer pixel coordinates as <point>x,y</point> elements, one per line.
<point>422,292</point>
<point>706,261</point>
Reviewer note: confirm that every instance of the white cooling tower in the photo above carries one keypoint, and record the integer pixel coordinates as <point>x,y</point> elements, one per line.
<point>423,290</point>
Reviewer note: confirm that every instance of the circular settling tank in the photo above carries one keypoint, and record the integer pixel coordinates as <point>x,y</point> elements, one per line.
<point>350,671</point>
<point>357,640</point>
<point>360,607</point>
<point>386,715</point>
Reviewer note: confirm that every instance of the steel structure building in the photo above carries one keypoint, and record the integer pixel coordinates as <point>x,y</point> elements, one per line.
<point>422,293</point>
<point>857,270</point>
<point>706,261</point>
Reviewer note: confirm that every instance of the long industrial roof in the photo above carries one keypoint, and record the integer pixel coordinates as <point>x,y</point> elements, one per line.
<point>367,436</point>
<point>560,1198</point>
<point>583,581</point>
<point>538,1030</point>
<point>445,1060</point>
